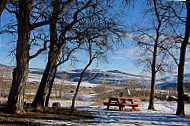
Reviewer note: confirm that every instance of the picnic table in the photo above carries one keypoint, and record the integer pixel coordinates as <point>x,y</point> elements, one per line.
<point>121,102</point>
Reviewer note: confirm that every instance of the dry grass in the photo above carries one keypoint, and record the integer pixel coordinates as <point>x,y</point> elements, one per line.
<point>47,113</point>
<point>186,116</point>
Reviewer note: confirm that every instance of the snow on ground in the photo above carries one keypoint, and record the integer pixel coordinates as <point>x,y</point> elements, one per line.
<point>34,77</point>
<point>83,84</point>
<point>164,116</point>
<point>37,78</point>
<point>67,103</point>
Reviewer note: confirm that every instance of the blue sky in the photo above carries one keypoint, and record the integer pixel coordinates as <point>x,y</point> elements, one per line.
<point>120,60</point>
<point>123,58</point>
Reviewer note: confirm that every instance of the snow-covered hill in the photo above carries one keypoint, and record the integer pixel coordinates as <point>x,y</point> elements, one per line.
<point>171,81</point>
<point>93,76</point>
<point>97,76</point>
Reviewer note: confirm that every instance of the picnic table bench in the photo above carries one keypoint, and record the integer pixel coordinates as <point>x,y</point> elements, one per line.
<point>120,102</point>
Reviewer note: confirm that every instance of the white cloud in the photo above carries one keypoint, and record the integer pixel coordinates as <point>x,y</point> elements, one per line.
<point>126,54</point>
<point>129,36</point>
<point>3,45</point>
<point>119,58</point>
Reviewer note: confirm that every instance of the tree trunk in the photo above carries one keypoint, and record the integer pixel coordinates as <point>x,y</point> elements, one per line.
<point>50,87</point>
<point>20,73</point>
<point>54,52</point>
<point>39,99</point>
<point>79,82</point>
<point>153,78</point>
<point>2,5</point>
<point>180,83</point>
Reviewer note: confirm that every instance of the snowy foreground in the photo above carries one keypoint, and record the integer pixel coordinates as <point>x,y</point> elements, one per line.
<point>164,116</point>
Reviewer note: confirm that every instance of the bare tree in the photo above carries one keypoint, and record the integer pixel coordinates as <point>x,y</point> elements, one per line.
<point>153,77</point>
<point>174,16</point>
<point>20,73</point>
<point>56,43</point>
<point>93,54</point>
<point>180,81</point>
<point>99,39</point>
<point>22,10</point>
<point>160,50</point>
<point>72,27</point>
<point>62,60</point>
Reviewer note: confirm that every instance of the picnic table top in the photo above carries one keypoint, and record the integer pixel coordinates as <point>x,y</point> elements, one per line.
<point>121,98</point>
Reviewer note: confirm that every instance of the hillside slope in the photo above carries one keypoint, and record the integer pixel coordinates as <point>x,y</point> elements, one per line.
<point>97,76</point>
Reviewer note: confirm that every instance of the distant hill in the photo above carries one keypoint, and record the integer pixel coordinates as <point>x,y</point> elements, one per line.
<point>171,81</point>
<point>98,76</point>
<point>6,71</point>
<point>93,76</point>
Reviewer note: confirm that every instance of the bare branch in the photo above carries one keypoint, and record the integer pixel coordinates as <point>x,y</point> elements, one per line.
<point>40,50</point>
<point>35,25</point>
<point>76,15</point>
<point>175,60</point>
<point>11,11</point>
<point>177,15</point>
<point>64,4</point>
<point>3,5</point>
<point>68,56</point>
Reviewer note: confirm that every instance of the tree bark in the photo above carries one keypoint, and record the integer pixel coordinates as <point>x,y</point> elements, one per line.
<point>53,55</point>
<point>180,83</point>
<point>3,5</point>
<point>50,87</point>
<point>153,78</point>
<point>20,73</point>
<point>79,82</point>
<point>39,99</point>
<point>54,75</point>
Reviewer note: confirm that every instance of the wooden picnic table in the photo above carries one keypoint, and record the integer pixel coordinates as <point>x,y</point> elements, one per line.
<point>121,102</point>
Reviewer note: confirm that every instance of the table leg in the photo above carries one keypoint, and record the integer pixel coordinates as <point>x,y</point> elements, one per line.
<point>108,107</point>
<point>131,101</point>
<point>133,107</point>
<point>120,108</point>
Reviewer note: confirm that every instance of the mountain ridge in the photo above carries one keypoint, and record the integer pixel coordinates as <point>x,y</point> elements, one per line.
<point>98,76</point>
